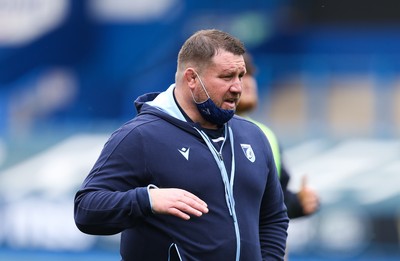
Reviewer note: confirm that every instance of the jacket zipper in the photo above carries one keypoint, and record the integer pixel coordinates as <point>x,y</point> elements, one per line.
<point>228,184</point>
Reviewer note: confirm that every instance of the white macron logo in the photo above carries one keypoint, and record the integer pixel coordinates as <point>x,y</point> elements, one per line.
<point>185,152</point>
<point>207,111</point>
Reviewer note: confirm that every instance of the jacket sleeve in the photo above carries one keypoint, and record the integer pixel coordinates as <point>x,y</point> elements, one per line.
<point>273,217</point>
<point>292,201</point>
<point>114,194</point>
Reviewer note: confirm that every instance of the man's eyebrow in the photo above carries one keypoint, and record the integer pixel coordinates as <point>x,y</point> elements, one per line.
<point>234,70</point>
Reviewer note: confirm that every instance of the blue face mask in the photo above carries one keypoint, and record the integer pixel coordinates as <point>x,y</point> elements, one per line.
<point>210,111</point>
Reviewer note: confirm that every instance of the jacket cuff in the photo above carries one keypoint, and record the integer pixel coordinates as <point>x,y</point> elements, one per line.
<point>151,186</point>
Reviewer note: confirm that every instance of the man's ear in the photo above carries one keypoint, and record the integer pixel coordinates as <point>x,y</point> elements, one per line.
<point>190,77</point>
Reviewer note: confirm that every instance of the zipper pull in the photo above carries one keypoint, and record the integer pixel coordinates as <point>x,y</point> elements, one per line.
<point>220,156</point>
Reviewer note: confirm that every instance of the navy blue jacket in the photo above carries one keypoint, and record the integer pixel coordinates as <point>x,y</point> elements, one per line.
<point>247,218</point>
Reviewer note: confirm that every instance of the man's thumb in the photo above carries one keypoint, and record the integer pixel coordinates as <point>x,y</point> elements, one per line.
<point>304,181</point>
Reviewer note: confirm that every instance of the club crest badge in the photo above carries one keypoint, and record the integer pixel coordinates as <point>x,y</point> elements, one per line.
<point>248,152</point>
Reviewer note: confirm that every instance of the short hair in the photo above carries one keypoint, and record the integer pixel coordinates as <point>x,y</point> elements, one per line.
<point>203,45</point>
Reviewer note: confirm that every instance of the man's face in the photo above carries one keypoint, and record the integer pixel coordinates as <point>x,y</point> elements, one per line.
<point>223,80</point>
<point>248,99</point>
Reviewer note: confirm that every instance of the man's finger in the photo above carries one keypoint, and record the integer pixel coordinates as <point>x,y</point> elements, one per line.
<point>194,203</point>
<point>176,212</point>
<point>304,181</point>
<point>195,198</point>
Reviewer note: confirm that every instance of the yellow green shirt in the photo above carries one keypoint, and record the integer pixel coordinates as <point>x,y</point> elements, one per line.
<point>273,141</point>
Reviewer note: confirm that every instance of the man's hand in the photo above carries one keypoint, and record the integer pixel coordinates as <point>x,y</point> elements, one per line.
<point>177,202</point>
<point>308,198</point>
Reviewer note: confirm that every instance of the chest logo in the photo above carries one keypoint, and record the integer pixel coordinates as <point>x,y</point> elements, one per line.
<point>248,152</point>
<point>185,152</point>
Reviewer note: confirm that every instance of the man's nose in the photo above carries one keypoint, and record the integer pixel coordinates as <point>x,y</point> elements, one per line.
<point>236,86</point>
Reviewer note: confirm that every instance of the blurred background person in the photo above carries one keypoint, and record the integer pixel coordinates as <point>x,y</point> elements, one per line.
<point>305,201</point>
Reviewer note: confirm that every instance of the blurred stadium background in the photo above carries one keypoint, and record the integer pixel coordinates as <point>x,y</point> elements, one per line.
<point>329,80</point>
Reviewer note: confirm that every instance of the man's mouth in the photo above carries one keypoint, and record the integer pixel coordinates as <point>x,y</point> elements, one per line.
<point>231,103</point>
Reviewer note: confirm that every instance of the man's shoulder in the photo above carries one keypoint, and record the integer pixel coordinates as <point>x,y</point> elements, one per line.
<point>250,121</point>
<point>243,124</point>
<point>141,122</point>
<point>242,121</point>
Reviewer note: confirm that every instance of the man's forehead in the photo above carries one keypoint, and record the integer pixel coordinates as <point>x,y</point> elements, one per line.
<point>228,61</point>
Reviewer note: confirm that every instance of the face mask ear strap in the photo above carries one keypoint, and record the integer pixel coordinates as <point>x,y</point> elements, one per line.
<point>202,84</point>
<point>194,99</point>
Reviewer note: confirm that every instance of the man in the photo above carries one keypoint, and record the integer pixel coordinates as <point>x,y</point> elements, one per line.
<point>186,179</point>
<point>305,201</point>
